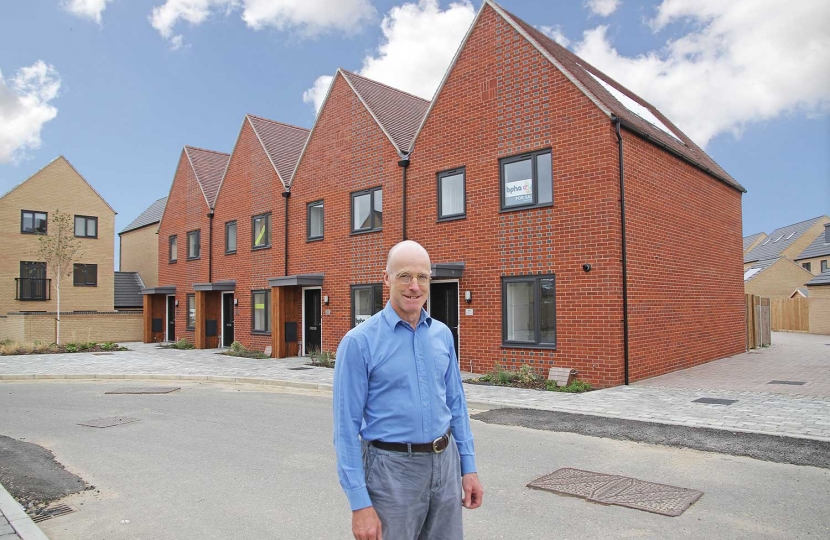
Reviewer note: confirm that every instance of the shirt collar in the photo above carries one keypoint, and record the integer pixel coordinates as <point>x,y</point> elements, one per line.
<point>392,318</point>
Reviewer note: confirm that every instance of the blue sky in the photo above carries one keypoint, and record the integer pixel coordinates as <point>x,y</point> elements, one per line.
<point>120,86</point>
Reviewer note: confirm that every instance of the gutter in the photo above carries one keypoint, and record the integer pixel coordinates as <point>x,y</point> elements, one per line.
<point>617,123</point>
<point>403,164</point>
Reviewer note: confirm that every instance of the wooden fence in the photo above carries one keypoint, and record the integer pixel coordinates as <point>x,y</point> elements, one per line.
<point>790,314</point>
<point>757,321</point>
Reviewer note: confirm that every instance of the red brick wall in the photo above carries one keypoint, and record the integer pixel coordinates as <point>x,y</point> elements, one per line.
<point>251,187</point>
<point>186,211</point>
<point>685,263</point>
<point>347,152</point>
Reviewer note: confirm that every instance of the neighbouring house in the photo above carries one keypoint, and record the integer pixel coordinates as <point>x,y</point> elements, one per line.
<point>816,257</point>
<point>184,246</point>
<point>138,244</point>
<point>789,241</point>
<point>819,293</point>
<point>775,278</point>
<point>550,198</point>
<point>751,241</point>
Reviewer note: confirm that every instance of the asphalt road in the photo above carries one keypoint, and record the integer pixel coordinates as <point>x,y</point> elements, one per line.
<point>245,462</point>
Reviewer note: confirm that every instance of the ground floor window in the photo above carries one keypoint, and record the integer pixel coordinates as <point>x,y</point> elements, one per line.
<point>366,301</point>
<point>529,310</point>
<point>262,311</point>
<point>191,312</point>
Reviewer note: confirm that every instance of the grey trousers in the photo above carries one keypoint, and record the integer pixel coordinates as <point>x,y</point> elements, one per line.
<point>416,495</point>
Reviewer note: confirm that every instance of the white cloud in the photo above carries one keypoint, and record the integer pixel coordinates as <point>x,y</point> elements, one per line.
<point>603,8</point>
<point>89,9</point>
<point>308,16</point>
<point>555,33</point>
<point>419,42</point>
<point>317,93</point>
<point>25,108</point>
<point>742,61</point>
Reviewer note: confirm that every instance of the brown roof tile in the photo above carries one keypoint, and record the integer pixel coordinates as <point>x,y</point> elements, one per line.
<point>282,142</point>
<point>209,167</point>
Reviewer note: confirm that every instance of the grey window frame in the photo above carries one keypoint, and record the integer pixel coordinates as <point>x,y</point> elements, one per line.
<point>376,298</point>
<point>84,268</point>
<point>807,266</point>
<point>267,293</point>
<point>268,231</point>
<point>371,193</point>
<point>534,173</point>
<point>34,230</point>
<point>235,237</point>
<point>198,233</point>
<point>308,236</point>
<point>536,279</point>
<point>444,174</point>
<point>824,266</point>
<point>86,226</point>
<point>172,254</point>
<point>189,297</point>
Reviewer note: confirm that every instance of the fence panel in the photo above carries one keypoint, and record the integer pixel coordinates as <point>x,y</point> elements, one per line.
<point>757,321</point>
<point>790,314</point>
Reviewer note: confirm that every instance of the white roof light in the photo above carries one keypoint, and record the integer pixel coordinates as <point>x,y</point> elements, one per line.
<point>751,272</point>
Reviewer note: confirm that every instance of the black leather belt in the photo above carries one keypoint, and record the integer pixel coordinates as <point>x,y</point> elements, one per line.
<point>437,446</point>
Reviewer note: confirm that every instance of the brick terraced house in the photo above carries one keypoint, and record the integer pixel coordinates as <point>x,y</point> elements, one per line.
<point>570,223</point>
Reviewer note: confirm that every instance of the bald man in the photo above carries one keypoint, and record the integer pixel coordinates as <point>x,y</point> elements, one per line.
<point>405,453</point>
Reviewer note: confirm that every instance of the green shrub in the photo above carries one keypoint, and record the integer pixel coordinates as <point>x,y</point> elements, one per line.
<point>322,358</point>
<point>109,346</point>
<point>183,344</point>
<point>238,349</point>
<point>71,347</point>
<point>575,387</point>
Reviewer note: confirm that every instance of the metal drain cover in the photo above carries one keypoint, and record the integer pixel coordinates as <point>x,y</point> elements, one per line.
<point>715,401</point>
<point>109,422</point>
<point>145,390</point>
<point>794,383</point>
<point>53,511</point>
<point>298,368</point>
<point>619,491</point>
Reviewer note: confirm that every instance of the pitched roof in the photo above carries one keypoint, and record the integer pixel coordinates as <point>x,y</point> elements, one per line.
<point>128,287</point>
<point>209,167</point>
<point>147,217</point>
<point>759,267</point>
<point>397,113</point>
<point>748,240</point>
<point>613,99</point>
<point>819,247</point>
<point>821,279</point>
<point>779,240</point>
<point>282,142</point>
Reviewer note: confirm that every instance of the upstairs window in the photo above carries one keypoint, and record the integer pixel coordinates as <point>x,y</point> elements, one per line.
<point>262,231</point>
<point>823,266</point>
<point>452,199</point>
<point>194,244</point>
<point>529,311</point>
<point>807,266</point>
<point>86,226</point>
<point>32,222</point>
<point>173,251</point>
<point>526,180</point>
<point>230,237</point>
<point>85,275</point>
<point>314,225</point>
<point>366,301</point>
<point>367,210</point>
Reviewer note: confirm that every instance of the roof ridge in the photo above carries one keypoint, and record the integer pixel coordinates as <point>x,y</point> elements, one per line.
<point>347,72</point>
<point>800,222</point>
<point>206,150</point>
<point>276,122</point>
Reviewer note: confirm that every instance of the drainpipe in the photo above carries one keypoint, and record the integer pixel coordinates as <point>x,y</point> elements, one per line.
<point>404,164</point>
<point>286,194</point>
<point>210,247</point>
<point>617,123</point>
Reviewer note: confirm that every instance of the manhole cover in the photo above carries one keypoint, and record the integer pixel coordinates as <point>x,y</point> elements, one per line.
<point>299,368</point>
<point>145,390</point>
<point>794,383</point>
<point>53,511</point>
<point>109,422</point>
<point>715,401</point>
<point>618,490</point>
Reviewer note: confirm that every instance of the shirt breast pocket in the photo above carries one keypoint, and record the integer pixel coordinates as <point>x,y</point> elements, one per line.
<point>442,363</point>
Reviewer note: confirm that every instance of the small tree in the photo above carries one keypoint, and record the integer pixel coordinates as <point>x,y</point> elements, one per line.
<point>59,249</point>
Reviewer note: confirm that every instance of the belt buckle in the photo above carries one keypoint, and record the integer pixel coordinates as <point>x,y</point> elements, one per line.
<point>435,445</point>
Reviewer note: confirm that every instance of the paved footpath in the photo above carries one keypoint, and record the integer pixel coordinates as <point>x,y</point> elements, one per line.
<point>790,410</point>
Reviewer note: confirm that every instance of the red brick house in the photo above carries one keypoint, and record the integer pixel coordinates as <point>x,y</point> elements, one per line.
<point>184,234</point>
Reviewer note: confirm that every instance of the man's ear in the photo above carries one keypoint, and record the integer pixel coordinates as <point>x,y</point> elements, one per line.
<point>385,278</point>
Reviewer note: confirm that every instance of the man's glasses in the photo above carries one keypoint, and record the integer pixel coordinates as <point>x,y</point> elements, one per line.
<point>405,278</point>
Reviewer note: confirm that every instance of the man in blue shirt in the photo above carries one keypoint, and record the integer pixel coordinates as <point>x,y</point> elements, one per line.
<point>397,385</point>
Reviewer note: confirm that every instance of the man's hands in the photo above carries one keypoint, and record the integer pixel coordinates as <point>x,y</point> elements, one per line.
<point>473,492</point>
<point>366,524</point>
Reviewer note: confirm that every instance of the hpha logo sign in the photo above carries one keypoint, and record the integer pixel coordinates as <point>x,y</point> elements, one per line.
<point>520,191</point>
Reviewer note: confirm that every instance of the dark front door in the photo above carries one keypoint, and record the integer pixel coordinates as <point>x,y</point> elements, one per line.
<point>171,318</point>
<point>312,332</point>
<point>227,320</point>
<point>444,307</point>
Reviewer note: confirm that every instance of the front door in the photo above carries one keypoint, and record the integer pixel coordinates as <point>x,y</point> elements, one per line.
<point>227,320</point>
<point>443,305</point>
<point>312,331</point>
<point>171,318</point>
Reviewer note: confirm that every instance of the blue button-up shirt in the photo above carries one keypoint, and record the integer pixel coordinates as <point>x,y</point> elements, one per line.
<point>396,384</point>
